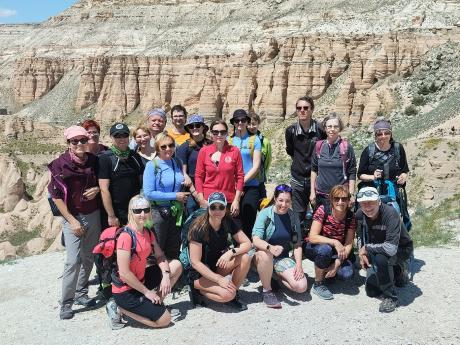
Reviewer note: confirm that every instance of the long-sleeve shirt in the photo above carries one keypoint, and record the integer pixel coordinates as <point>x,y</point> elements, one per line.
<point>227,176</point>
<point>161,183</point>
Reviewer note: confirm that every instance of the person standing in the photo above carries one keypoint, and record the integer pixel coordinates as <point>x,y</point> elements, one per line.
<point>156,123</point>
<point>120,175</point>
<point>301,138</point>
<point>94,132</point>
<point>178,131</point>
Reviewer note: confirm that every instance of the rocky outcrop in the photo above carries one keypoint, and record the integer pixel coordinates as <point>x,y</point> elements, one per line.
<point>11,185</point>
<point>267,81</point>
<point>7,251</point>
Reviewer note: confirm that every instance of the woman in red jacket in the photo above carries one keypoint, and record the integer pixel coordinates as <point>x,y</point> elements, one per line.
<point>219,167</point>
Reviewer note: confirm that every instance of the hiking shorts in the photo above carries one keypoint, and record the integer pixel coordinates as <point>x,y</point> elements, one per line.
<point>282,264</point>
<point>135,302</point>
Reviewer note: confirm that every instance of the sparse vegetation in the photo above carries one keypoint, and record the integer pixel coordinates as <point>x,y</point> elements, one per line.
<point>410,111</point>
<point>30,145</point>
<point>432,143</point>
<point>418,101</point>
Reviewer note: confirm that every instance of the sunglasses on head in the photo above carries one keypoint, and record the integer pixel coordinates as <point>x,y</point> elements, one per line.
<point>78,141</point>
<point>140,210</point>
<point>303,108</point>
<point>219,207</point>
<point>382,133</point>
<point>195,126</point>
<point>121,135</point>
<point>221,133</point>
<point>366,193</point>
<point>164,147</point>
<point>341,198</point>
<point>242,120</point>
<point>283,188</point>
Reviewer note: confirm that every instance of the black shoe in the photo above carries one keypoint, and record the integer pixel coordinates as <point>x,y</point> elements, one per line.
<point>236,304</point>
<point>402,279</point>
<point>66,312</point>
<point>275,285</point>
<point>196,298</point>
<point>388,305</point>
<point>84,300</point>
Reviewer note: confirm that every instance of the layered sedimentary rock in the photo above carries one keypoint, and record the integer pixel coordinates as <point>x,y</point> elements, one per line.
<point>267,81</point>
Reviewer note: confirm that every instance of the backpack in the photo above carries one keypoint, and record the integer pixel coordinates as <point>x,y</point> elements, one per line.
<point>343,150</point>
<point>184,256</point>
<point>105,256</point>
<point>252,139</point>
<point>371,150</point>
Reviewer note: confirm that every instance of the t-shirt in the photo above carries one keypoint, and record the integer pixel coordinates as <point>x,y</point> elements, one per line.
<point>125,176</point>
<point>138,261</point>
<point>178,137</point>
<point>217,245</point>
<point>331,228</point>
<point>243,145</point>
<point>189,155</point>
<point>282,234</point>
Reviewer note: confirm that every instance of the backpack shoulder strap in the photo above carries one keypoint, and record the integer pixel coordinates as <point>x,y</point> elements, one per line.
<point>327,213</point>
<point>371,150</point>
<point>318,145</point>
<point>348,218</point>
<point>252,139</point>
<point>132,234</point>
<point>397,147</point>
<point>230,140</point>
<point>343,150</point>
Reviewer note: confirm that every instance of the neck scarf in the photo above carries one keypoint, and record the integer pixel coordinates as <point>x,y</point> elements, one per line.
<point>78,160</point>
<point>119,153</point>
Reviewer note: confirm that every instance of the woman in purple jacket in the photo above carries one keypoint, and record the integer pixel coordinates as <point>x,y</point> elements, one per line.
<point>74,190</point>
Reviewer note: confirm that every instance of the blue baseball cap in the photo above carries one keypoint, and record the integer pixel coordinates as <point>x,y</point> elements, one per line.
<point>217,197</point>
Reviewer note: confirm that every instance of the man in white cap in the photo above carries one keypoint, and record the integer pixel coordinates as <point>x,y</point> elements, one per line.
<point>385,248</point>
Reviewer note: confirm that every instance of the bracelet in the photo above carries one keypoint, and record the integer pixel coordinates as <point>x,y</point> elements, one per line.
<point>166,271</point>
<point>234,251</point>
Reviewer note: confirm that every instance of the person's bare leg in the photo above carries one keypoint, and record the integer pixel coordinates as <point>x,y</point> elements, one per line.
<point>213,291</point>
<point>264,264</point>
<point>287,278</point>
<point>240,269</point>
<point>319,274</point>
<point>163,321</point>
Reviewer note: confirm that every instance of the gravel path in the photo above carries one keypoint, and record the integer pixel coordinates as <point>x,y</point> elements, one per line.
<point>429,312</point>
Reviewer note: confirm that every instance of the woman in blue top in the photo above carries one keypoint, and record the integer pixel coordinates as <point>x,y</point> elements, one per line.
<point>251,153</point>
<point>333,163</point>
<point>163,180</point>
<point>277,228</point>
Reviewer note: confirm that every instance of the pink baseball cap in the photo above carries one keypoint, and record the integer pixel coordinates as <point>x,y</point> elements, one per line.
<point>75,131</point>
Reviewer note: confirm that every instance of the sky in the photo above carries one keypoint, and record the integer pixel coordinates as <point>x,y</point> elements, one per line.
<point>31,11</point>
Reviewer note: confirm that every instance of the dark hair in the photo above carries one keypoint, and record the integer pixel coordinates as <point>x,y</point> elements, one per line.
<point>281,188</point>
<point>180,108</point>
<point>218,122</point>
<point>306,99</point>
<point>202,227</point>
<point>255,117</point>
<point>333,116</point>
<point>91,123</point>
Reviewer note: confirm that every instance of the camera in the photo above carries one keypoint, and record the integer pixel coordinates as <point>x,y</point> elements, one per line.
<point>184,188</point>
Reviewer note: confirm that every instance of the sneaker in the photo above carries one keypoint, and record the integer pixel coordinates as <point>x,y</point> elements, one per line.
<point>236,304</point>
<point>388,305</point>
<point>246,282</point>
<point>114,315</point>
<point>66,312</point>
<point>84,300</point>
<point>322,291</point>
<point>175,314</point>
<point>270,300</point>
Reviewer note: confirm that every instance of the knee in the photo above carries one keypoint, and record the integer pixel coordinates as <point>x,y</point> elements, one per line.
<point>323,256</point>
<point>227,296</point>
<point>245,260</point>
<point>381,260</point>
<point>300,286</point>
<point>164,320</point>
<point>346,273</point>
<point>263,258</point>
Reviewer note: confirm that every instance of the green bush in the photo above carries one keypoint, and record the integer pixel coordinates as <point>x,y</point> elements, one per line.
<point>410,111</point>
<point>418,100</point>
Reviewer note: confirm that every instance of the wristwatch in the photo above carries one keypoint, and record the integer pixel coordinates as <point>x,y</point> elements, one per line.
<point>268,247</point>
<point>234,251</point>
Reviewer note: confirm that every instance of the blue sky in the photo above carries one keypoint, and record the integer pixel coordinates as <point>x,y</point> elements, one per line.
<point>31,11</point>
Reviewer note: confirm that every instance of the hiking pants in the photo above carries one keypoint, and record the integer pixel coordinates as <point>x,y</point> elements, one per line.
<point>167,234</point>
<point>79,259</point>
<point>323,255</point>
<point>380,276</point>
<point>249,205</point>
<point>300,197</point>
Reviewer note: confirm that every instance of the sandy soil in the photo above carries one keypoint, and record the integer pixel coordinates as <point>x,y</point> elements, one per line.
<point>428,314</point>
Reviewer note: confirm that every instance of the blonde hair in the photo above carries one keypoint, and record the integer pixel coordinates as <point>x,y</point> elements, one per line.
<point>140,126</point>
<point>135,200</point>
<point>160,139</point>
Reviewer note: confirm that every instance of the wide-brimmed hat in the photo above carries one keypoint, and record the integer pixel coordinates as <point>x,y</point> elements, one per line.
<point>118,128</point>
<point>239,114</point>
<point>75,131</point>
<point>367,194</point>
<point>195,118</point>
<point>217,197</point>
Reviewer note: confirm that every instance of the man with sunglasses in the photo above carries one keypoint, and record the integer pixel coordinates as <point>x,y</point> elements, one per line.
<point>385,247</point>
<point>120,175</point>
<point>300,143</point>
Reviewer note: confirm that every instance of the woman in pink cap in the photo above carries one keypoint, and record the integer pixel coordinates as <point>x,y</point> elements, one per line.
<point>74,190</point>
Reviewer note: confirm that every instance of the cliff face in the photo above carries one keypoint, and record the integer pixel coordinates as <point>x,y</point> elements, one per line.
<point>267,80</point>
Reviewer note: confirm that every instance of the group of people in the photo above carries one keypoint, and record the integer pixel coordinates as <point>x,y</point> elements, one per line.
<point>151,184</point>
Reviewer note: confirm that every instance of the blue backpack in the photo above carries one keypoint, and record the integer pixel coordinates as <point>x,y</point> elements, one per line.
<point>184,256</point>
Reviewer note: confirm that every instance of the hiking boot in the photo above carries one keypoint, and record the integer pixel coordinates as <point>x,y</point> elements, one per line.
<point>322,291</point>
<point>402,279</point>
<point>196,298</point>
<point>114,315</point>
<point>388,305</point>
<point>84,300</point>
<point>66,312</point>
<point>236,304</point>
<point>275,285</point>
<point>270,299</point>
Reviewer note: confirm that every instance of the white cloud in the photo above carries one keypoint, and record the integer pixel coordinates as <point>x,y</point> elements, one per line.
<point>4,12</point>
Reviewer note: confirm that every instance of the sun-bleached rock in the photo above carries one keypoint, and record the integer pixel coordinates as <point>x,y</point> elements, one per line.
<point>11,184</point>
<point>35,245</point>
<point>7,251</point>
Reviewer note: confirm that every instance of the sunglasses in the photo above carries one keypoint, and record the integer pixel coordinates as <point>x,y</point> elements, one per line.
<point>140,210</point>
<point>214,207</point>
<point>283,188</point>
<point>121,135</point>
<point>341,198</point>
<point>379,134</point>
<point>221,133</point>
<point>303,108</point>
<point>242,120</point>
<point>93,134</point>
<point>78,141</point>
<point>164,147</point>
<point>366,193</point>
<point>195,126</point>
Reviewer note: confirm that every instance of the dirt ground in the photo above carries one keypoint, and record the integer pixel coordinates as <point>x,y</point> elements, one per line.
<point>30,289</point>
